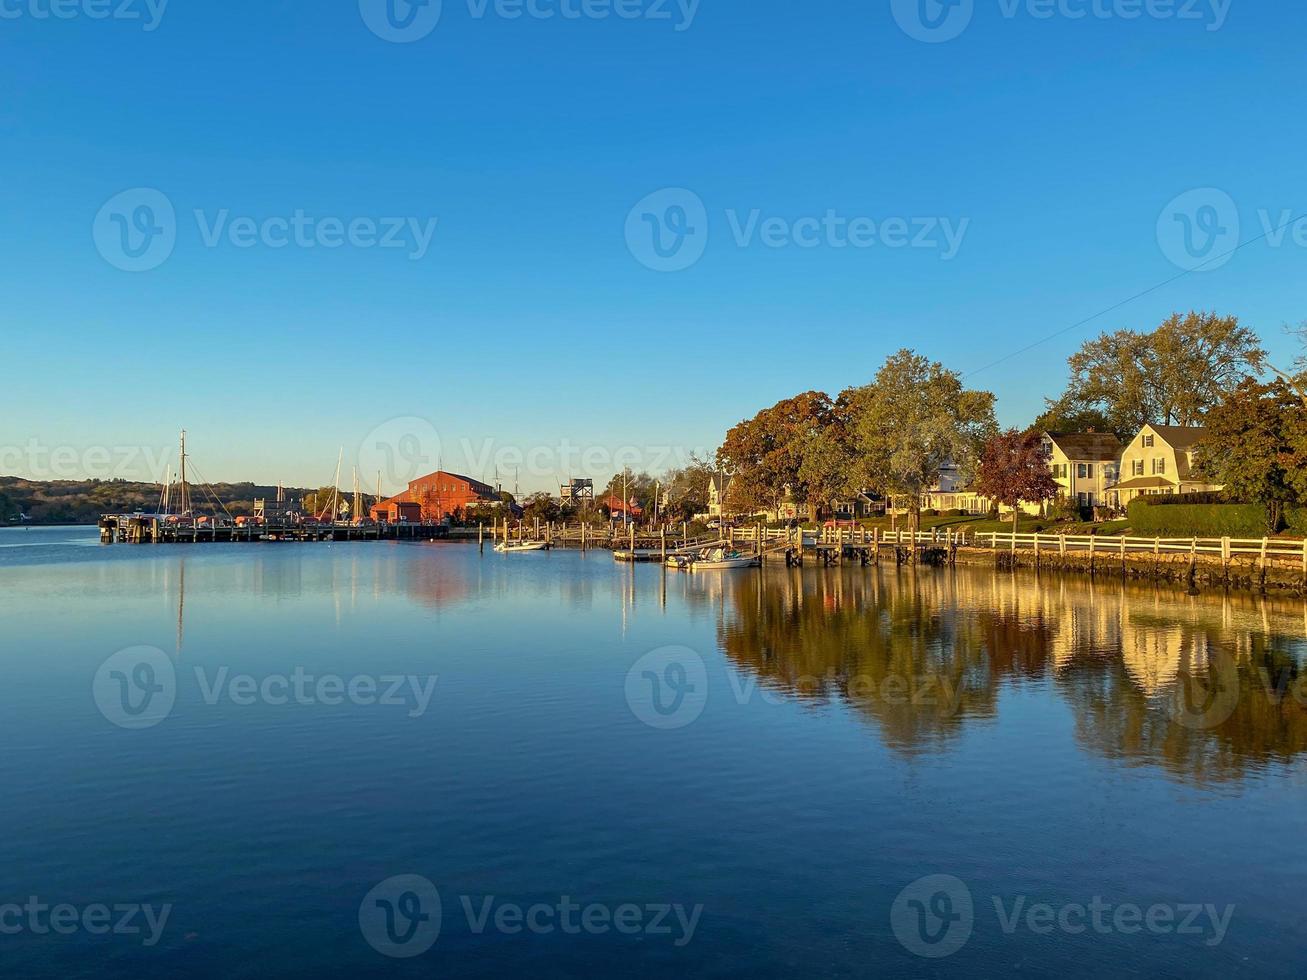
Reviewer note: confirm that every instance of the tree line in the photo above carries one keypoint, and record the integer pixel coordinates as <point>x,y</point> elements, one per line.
<point>892,435</point>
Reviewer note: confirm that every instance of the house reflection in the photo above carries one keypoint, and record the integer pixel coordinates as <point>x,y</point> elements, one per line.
<point>1208,688</point>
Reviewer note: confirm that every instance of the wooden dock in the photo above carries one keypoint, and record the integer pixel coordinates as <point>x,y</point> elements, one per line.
<point>148,529</point>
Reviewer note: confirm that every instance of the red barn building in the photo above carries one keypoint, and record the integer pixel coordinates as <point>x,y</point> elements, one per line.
<point>434,497</point>
<point>620,509</point>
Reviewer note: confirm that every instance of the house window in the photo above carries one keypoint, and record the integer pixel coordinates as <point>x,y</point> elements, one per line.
<point>1148,442</point>
<point>1136,467</point>
<point>1084,471</point>
<point>1159,464</point>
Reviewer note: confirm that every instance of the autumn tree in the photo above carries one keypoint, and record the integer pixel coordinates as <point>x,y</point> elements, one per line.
<point>1013,470</point>
<point>765,454</point>
<point>1172,375</point>
<point>911,419</point>
<point>1255,444</point>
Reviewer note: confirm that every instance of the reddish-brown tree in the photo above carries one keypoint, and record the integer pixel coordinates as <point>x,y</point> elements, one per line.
<point>1014,470</point>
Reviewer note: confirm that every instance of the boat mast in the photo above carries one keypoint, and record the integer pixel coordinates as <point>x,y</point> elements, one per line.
<point>335,486</point>
<point>184,501</point>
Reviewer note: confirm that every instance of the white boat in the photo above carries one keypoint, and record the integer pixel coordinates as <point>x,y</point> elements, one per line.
<point>512,547</point>
<point>713,559</point>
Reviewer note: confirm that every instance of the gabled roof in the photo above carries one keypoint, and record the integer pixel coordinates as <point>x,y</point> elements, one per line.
<point>1145,483</point>
<point>1101,447</point>
<point>720,481</point>
<point>1179,436</point>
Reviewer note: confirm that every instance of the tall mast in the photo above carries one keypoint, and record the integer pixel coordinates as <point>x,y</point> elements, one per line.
<point>184,502</point>
<point>335,485</point>
<point>358,498</point>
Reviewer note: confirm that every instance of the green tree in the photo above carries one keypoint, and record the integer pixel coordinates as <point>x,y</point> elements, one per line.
<point>1173,375</point>
<point>1255,443</point>
<point>914,417</point>
<point>1014,471</point>
<point>541,505</point>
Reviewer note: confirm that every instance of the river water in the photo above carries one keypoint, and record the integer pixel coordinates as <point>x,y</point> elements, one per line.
<point>416,759</point>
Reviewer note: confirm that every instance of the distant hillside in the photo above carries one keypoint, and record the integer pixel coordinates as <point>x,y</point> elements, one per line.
<point>83,501</point>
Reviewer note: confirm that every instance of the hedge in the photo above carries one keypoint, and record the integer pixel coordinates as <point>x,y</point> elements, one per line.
<point>1173,520</point>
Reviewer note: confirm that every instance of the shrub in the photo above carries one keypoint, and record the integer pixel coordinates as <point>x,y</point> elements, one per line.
<point>1178,518</point>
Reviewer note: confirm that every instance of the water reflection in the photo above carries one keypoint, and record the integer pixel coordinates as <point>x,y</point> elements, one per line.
<point>1207,688</point>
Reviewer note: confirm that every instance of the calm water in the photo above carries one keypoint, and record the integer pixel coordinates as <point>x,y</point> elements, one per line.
<point>750,773</point>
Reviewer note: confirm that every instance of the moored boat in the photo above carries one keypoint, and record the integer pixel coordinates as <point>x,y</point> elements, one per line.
<point>512,547</point>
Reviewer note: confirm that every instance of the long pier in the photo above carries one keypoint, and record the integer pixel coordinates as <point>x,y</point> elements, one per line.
<point>148,529</point>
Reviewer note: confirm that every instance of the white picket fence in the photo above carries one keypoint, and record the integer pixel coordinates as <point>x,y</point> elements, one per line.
<point>1277,549</point>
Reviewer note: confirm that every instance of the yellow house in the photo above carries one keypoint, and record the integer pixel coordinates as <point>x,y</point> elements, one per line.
<point>1084,464</point>
<point>1160,460</point>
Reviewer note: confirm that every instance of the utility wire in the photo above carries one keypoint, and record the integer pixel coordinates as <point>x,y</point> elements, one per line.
<point>1139,295</point>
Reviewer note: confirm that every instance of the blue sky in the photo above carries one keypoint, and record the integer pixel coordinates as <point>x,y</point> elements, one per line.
<point>1050,145</point>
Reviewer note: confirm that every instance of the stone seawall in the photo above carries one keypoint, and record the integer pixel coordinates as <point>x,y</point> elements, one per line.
<point>1244,572</point>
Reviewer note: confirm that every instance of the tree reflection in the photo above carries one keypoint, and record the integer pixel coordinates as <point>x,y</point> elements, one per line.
<point>1210,689</point>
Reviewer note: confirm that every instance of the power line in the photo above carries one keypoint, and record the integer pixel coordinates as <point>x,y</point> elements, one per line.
<point>1139,295</point>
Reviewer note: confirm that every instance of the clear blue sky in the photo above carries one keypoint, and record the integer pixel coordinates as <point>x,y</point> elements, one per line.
<point>529,320</point>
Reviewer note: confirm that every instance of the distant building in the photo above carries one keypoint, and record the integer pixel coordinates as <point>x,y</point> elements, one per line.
<point>436,496</point>
<point>860,504</point>
<point>579,492</point>
<point>1084,464</point>
<point>1158,461</point>
<point>621,509</point>
<point>951,493</point>
<point>718,485</point>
